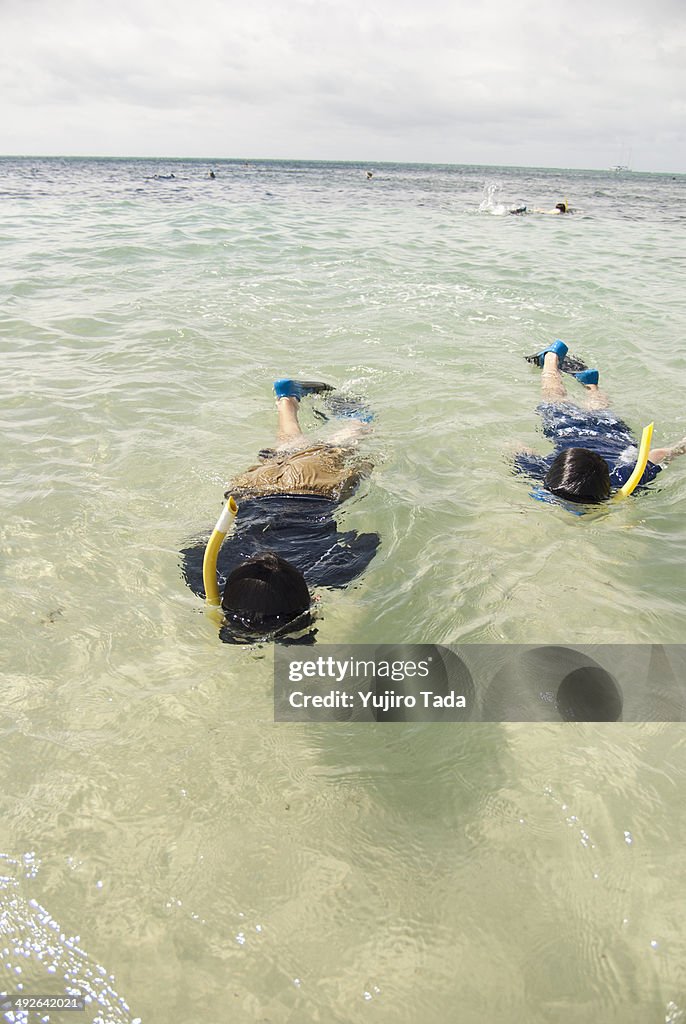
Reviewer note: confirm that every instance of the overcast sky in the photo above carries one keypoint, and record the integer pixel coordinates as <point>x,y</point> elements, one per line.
<point>558,83</point>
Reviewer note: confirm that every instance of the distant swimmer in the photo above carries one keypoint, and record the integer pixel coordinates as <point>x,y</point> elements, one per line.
<point>211,174</point>
<point>370,174</point>
<point>561,207</point>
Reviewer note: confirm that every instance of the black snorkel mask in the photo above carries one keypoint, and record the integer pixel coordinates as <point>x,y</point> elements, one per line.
<point>249,628</point>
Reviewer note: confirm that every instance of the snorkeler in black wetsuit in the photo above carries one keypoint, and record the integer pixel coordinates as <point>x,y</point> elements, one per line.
<point>286,538</point>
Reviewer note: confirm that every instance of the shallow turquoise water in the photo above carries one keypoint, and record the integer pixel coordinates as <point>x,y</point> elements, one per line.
<point>290,873</point>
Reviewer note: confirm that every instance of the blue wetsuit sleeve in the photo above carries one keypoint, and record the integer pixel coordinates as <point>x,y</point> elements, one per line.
<point>534,466</point>
<point>620,474</point>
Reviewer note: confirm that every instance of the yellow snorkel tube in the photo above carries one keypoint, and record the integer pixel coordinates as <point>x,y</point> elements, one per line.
<point>209,563</point>
<point>641,462</point>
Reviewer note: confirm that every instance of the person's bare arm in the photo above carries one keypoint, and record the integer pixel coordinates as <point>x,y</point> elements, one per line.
<point>661,456</point>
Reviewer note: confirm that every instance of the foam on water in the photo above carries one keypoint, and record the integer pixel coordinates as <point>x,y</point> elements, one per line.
<point>39,958</point>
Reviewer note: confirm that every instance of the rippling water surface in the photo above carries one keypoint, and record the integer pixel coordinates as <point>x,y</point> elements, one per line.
<point>222,868</point>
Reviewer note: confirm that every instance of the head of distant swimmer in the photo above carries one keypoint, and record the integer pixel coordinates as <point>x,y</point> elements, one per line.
<point>264,595</point>
<point>579,475</point>
<point>562,207</point>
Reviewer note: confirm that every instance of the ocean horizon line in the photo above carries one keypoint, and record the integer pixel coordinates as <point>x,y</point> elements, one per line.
<point>331,162</point>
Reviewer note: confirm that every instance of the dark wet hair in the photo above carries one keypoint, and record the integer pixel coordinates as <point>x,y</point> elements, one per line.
<point>265,594</point>
<point>562,207</point>
<point>580,475</point>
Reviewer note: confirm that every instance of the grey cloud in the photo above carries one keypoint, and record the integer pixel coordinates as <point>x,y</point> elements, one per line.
<point>562,74</point>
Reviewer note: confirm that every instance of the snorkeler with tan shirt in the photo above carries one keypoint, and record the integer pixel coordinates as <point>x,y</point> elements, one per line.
<point>297,466</point>
<point>286,538</point>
